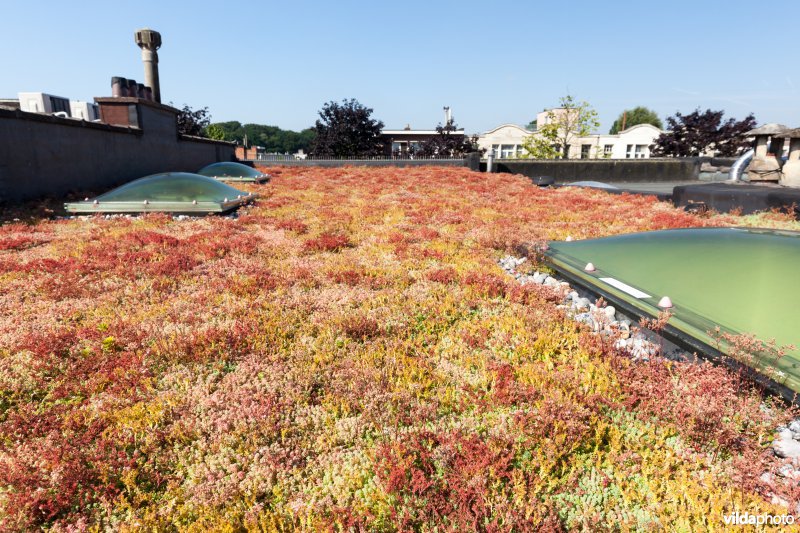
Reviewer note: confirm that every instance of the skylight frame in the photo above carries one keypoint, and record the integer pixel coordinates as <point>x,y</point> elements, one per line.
<point>154,205</point>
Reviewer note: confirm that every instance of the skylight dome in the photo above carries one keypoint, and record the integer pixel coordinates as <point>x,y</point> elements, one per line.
<point>230,171</point>
<point>171,192</point>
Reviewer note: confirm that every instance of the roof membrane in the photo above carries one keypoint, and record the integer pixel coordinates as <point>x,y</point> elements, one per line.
<point>231,171</point>
<point>175,192</point>
<point>741,280</point>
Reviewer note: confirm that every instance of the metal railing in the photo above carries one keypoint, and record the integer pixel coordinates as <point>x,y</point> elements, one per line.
<point>402,157</point>
<point>277,157</point>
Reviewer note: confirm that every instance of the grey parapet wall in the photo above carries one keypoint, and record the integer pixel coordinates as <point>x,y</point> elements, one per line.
<point>606,170</point>
<point>47,156</point>
<point>471,161</point>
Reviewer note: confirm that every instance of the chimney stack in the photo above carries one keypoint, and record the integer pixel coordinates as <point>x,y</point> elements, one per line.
<point>118,87</point>
<point>150,41</point>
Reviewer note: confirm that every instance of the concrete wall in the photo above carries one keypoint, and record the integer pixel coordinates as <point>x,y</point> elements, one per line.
<point>471,161</point>
<point>610,170</point>
<point>42,155</point>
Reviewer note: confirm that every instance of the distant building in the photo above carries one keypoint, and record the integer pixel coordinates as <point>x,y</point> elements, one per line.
<point>249,153</point>
<point>259,153</point>
<point>632,143</point>
<point>10,103</point>
<point>506,140</point>
<point>404,142</point>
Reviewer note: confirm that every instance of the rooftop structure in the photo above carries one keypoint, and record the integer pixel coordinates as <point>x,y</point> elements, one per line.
<point>790,173</point>
<point>768,148</point>
<point>231,171</point>
<point>171,192</point>
<point>37,102</point>
<point>636,271</point>
<point>150,41</point>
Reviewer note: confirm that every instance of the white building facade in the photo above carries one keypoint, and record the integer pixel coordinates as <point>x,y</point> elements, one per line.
<point>506,140</point>
<point>632,143</point>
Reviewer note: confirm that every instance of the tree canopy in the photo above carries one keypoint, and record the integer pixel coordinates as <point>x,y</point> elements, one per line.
<point>634,117</point>
<point>698,133</point>
<point>543,144</point>
<point>448,143</point>
<point>191,121</point>
<point>272,138</point>
<point>214,131</point>
<point>346,129</point>
<point>570,120</point>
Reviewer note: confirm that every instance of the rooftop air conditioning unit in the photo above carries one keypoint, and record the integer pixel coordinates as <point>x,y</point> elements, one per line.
<point>43,103</point>
<point>84,110</point>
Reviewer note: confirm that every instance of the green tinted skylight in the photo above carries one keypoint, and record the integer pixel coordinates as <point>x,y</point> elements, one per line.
<point>230,171</point>
<point>173,192</point>
<point>741,280</point>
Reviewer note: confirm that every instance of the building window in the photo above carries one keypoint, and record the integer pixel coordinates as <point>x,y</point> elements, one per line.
<point>399,147</point>
<point>508,151</point>
<point>607,149</point>
<point>641,151</point>
<point>629,151</point>
<point>585,150</point>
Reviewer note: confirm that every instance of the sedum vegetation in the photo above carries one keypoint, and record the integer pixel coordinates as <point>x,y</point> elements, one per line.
<point>348,355</point>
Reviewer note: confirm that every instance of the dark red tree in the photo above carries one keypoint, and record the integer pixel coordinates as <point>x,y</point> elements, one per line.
<point>193,122</point>
<point>449,142</point>
<point>347,130</point>
<point>696,133</point>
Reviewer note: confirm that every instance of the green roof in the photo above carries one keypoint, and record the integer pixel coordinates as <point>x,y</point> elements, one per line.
<point>171,192</point>
<point>230,171</point>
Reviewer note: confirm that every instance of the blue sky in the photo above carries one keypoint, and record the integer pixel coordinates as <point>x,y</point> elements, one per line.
<point>278,62</point>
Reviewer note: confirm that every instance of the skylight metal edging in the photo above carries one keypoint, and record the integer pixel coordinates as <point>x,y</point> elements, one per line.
<point>678,331</point>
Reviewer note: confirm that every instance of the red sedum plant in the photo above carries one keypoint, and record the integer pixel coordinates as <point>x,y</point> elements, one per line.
<point>348,355</point>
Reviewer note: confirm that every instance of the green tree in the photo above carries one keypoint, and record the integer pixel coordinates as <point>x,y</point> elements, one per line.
<point>542,145</point>
<point>570,120</point>
<point>347,130</point>
<point>632,117</point>
<point>214,131</point>
<point>272,138</point>
<point>232,130</point>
